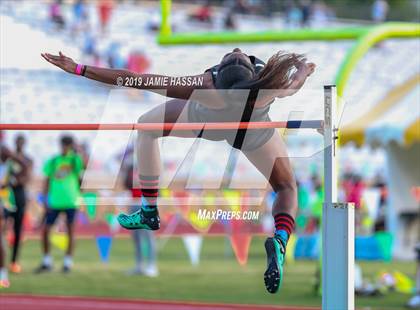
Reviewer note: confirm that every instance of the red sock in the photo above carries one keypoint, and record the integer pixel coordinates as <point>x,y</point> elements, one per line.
<point>149,186</point>
<point>285,222</point>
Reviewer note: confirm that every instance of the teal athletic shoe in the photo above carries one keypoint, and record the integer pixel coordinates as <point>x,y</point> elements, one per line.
<point>141,219</point>
<point>275,259</point>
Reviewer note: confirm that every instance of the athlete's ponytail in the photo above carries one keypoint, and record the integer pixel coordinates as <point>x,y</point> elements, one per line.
<point>275,74</point>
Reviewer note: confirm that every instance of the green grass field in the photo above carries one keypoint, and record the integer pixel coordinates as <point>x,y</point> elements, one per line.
<point>219,278</point>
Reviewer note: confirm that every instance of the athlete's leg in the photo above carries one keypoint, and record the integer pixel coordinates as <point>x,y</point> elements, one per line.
<point>2,250</point>
<point>148,155</point>
<point>70,234</point>
<point>49,220</point>
<point>148,158</point>
<point>45,239</point>
<point>137,249</point>
<point>148,240</point>
<point>4,279</point>
<point>20,198</point>
<point>272,161</point>
<point>68,258</point>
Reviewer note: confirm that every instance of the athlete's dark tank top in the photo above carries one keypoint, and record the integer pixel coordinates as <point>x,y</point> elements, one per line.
<point>198,113</point>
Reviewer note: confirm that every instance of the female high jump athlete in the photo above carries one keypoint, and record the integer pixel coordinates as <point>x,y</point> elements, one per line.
<point>222,99</point>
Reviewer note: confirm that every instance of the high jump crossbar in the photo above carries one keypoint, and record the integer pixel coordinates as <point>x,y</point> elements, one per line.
<point>337,218</point>
<point>292,124</point>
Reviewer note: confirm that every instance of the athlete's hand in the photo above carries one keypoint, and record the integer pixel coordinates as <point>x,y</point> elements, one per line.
<point>311,68</point>
<point>306,68</point>
<point>63,62</point>
<point>297,79</point>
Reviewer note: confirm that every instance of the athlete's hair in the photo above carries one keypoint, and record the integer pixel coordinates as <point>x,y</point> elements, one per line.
<point>238,74</point>
<point>275,74</point>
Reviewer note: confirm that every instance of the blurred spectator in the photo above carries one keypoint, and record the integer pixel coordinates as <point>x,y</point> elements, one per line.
<point>138,62</point>
<point>380,184</point>
<point>83,150</point>
<point>153,24</point>
<point>294,15</point>
<point>317,198</point>
<point>4,278</point>
<point>144,240</point>
<point>203,14</point>
<point>56,16</point>
<point>62,191</point>
<point>229,22</point>
<point>105,8</point>
<point>19,178</point>
<point>7,200</point>
<point>414,302</point>
<point>306,11</point>
<point>241,7</point>
<point>320,14</point>
<point>353,187</point>
<point>379,11</point>
<point>268,7</point>
<point>90,48</point>
<point>80,13</point>
<point>89,44</point>
<point>114,56</point>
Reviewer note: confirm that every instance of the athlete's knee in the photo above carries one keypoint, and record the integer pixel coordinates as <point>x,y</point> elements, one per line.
<point>144,119</point>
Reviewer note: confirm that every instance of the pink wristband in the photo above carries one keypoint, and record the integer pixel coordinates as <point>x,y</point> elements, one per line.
<point>78,70</point>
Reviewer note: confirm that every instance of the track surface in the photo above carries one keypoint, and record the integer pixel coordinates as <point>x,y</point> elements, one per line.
<point>23,302</point>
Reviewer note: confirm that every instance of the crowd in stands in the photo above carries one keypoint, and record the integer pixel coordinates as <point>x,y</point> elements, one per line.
<point>295,14</point>
<point>95,44</point>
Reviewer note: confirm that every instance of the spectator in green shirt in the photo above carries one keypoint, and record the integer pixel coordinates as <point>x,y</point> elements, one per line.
<point>61,192</point>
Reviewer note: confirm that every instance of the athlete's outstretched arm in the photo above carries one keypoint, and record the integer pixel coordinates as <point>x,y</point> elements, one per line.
<point>180,88</point>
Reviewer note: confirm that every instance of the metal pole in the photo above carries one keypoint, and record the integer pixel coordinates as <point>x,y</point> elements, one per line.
<point>337,221</point>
